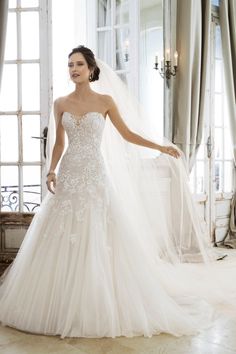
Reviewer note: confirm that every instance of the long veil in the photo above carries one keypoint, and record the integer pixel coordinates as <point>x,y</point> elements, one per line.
<point>152,187</point>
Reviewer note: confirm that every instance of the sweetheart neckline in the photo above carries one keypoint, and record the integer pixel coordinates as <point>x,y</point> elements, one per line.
<point>85,114</point>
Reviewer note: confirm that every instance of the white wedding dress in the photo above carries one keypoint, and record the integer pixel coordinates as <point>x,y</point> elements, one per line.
<point>83,270</point>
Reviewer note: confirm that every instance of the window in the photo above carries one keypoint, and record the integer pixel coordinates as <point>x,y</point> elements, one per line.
<point>129,34</point>
<point>215,156</point>
<point>24,105</point>
<point>223,153</point>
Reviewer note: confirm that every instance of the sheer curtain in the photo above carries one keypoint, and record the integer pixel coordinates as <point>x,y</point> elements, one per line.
<point>228,32</point>
<point>3,29</point>
<point>193,37</point>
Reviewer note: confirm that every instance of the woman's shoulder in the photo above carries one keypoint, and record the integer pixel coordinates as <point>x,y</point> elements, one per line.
<point>107,100</point>
<point>104,97</point>
<point>61,100</point>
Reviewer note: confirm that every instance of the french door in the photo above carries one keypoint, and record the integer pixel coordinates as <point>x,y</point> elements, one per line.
<point>25,104</point>
<point>212,178</point>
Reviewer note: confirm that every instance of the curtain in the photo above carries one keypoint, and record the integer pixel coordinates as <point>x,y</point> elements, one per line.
<point>192,43</point>
<point>228,33</point>
<point>3,30</point>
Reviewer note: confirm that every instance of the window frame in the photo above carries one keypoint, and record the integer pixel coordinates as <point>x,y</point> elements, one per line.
<point>45,89</point>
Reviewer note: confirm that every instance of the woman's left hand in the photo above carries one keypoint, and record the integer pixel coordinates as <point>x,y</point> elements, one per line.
<point>170,150</point>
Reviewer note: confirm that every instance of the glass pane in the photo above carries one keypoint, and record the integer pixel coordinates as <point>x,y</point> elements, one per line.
<point>151,88</point>
<point>104,46</point>
<point>200,176</point>
<point>218,110</point>
<point>9,188</point>
<point>228,177</point>
<point>8,99</point>
<point>122,48</point>
<point>218,49</point>
<point>29,3</point>
<point>32,187</point>
<point>218,75</point>
<point>215,2</point>
<point>12,4</point>
<point>122,12</point>
<point>30,87</point>
<point>218,176</point>
<point>225,110</point>
<point>31,146</point>
<point>218,143</point>
<point>104,13</point>
<point>228,145</point>
<point>30,39</point>
<point>11,39</point>
<point>9,139</point>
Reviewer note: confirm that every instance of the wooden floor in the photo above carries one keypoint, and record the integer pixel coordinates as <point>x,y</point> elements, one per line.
<point>219,339</point>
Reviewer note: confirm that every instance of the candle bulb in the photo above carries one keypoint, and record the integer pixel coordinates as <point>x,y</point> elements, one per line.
<point>176,58</point>
<point>162,63</point>
<point>156,58</point>
<point>167,54</point>
<point>126,46</point>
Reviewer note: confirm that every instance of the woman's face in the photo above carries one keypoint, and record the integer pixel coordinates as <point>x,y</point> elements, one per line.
<point>78,68</point>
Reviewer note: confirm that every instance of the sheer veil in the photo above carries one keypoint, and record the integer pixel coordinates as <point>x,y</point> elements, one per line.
<point>157,184</point>
<point>153,189</point>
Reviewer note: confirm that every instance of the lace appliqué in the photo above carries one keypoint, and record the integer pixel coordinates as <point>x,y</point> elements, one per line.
<point>82,183</point>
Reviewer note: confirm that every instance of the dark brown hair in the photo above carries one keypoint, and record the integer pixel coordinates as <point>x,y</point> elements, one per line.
<point>90,59</point>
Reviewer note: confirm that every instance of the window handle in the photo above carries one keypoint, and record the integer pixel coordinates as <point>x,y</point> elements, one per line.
<point>44,138</point>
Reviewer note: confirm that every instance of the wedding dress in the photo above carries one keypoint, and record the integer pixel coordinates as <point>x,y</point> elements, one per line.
<point>82,269</point>
<point>103,255</point>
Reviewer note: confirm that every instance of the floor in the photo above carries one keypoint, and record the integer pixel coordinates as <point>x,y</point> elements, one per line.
<point>219,339</point>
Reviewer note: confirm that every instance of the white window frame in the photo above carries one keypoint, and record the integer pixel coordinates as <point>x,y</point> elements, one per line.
<point>45,70</point>
<point>134,8</point>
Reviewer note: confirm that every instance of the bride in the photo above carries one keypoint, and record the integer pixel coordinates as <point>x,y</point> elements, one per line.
<point>97,259</point>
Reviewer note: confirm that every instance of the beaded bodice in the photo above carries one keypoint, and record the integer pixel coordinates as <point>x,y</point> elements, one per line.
<point>82,164</point>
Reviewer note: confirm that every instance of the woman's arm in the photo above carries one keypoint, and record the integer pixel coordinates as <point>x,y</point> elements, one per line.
<point>132,137</point>
<point>58,146</point>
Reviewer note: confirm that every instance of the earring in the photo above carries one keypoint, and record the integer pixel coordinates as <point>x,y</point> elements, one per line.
<point>91,77</point>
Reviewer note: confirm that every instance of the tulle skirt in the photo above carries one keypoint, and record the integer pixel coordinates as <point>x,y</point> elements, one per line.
<point>83,270</point>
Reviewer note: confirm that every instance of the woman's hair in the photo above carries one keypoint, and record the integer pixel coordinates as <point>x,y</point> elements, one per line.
<point>90,59</point>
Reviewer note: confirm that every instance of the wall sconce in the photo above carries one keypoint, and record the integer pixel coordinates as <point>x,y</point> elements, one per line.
<point>126,58</point>
<point>166,69</point>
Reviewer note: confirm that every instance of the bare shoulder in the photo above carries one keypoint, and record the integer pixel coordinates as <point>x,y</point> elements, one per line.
<point>107,100</point>
<point>59,102</point>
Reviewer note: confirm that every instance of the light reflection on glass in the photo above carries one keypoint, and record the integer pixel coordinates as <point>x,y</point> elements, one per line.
<point>9,139</point>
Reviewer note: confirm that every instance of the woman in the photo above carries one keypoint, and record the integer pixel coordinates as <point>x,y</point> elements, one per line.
<point>90,265</point>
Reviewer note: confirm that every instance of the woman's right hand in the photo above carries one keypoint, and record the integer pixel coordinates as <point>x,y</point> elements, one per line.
<point>170,150</point>
<point>51,181</point>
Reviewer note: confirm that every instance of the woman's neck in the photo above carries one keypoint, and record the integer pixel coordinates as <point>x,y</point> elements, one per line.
<point>82,91</point>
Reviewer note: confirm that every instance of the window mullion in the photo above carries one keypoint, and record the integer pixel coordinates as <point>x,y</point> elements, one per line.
<point>113,34</point>
<point>19,107</point>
